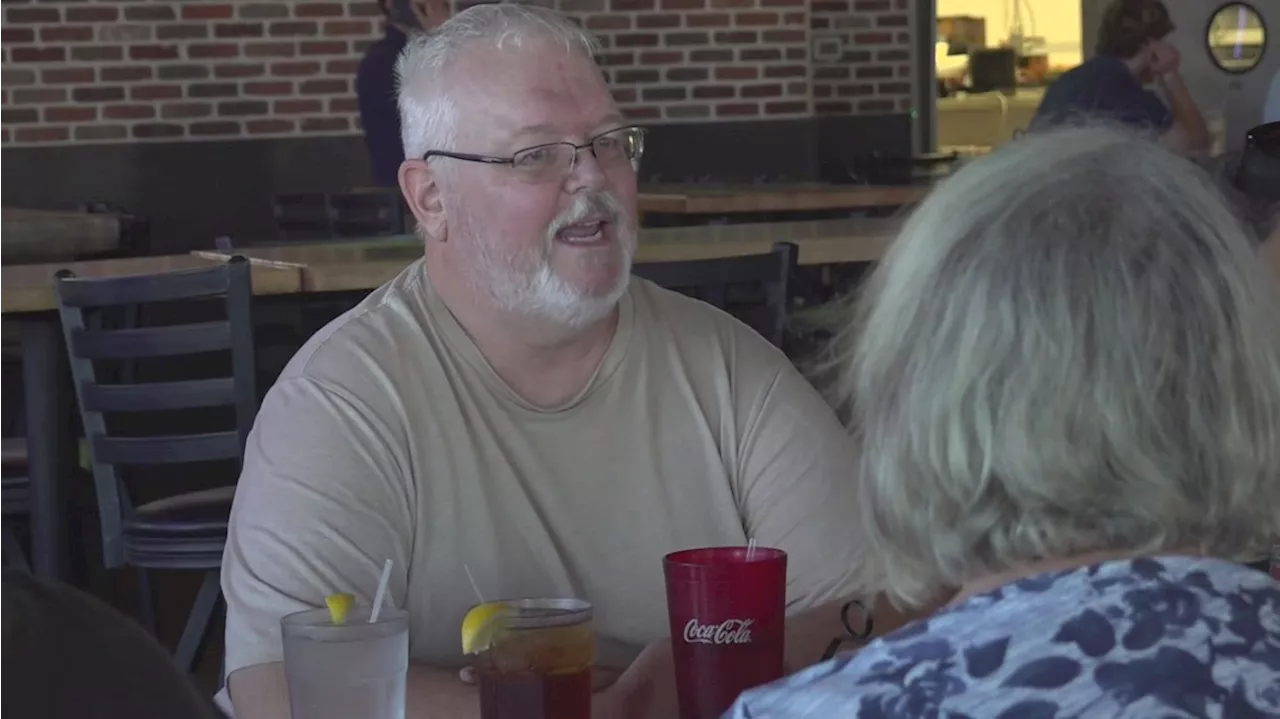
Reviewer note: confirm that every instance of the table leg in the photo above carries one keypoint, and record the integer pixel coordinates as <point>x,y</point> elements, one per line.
<point>46,441</point>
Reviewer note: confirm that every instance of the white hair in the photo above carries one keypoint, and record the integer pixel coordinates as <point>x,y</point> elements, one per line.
<point>1071,347</point>
<point>427,109</point>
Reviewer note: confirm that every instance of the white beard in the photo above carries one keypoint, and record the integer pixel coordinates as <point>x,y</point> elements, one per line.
<point>539,291</point>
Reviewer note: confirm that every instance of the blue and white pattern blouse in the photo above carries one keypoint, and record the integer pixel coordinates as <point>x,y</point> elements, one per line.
<point>1157,637</point>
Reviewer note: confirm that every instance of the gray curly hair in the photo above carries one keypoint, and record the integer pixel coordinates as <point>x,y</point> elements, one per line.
<point>1072,347</point>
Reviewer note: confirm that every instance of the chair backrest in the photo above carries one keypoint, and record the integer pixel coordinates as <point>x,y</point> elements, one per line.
<point>321,216</point>
<point>371,213</point>
<point>714,280</point>
<point>105,352</point>
<point>302,216</point>
<point>1257,177</point>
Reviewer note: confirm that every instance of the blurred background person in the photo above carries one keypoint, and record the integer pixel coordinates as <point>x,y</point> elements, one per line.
<point>1067,402</point>
<point>1271,110</point>
<point>1132,53</point>
<point>68,655</point>
<point>376,82</point>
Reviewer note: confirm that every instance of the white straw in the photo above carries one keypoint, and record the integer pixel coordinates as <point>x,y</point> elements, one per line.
<point>751,548</point>
<point>474,587</point>
<point>382,591</point>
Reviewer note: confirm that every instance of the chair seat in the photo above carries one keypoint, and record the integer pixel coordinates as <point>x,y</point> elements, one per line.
<point>15,494</point>
<point>186,531</point>
<point>13,452</point>
<point>196,516</point>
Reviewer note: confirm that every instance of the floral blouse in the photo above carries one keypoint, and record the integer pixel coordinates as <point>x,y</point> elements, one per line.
<point>1159,637</point>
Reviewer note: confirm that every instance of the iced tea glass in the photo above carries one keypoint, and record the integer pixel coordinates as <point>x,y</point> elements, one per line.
<point>539,666</point>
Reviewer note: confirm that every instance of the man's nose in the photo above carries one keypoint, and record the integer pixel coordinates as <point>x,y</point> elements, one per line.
<point>585,172</point>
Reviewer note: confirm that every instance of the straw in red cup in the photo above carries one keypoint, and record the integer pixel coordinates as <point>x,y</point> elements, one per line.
<point>727,611</point>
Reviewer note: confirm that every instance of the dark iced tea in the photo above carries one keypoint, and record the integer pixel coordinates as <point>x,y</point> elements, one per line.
<point>539,667</point>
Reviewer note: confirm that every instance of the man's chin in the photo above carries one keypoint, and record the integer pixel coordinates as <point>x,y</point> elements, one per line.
<point>610,288</point>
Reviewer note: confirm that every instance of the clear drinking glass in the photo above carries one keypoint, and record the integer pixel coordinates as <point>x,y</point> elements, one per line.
<point>352,669</point>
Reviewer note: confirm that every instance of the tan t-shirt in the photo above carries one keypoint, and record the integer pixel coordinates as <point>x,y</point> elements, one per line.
<point>388,435</point>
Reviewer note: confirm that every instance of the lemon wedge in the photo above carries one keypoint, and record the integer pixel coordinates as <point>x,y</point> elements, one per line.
<point>339,605</point>
<point>482,625</point>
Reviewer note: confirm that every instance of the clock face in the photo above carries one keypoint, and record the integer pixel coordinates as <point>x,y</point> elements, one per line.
<point>1236,37</point>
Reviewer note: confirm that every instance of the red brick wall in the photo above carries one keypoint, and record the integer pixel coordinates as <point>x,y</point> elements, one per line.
<point>112,71</point>
<point>874,72</point>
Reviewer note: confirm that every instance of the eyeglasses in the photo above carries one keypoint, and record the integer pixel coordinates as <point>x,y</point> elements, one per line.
<point>554,160</point>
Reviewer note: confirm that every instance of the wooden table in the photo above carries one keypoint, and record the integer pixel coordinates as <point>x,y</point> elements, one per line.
<point>798,197</point>
<point>42,235</point>
<point>27,297</point>
<point>352,265</point>
<point>29,288</point>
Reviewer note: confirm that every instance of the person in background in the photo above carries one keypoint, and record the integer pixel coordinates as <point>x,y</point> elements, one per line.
<point>69,656</point>
<point>516,408</point>
<point>1132,52</point>
<point>1271,108</point>
<point>1067,393</point>
<point>376,82</point>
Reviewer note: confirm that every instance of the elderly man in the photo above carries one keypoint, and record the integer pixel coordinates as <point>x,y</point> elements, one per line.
<point>514,408</point>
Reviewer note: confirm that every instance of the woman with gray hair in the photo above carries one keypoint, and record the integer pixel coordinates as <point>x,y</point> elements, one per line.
<point>1066,388</point>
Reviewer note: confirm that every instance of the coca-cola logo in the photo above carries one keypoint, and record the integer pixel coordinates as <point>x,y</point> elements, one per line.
<point>730,631</point>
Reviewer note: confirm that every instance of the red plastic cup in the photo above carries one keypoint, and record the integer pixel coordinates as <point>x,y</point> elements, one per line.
<point>727,607</point>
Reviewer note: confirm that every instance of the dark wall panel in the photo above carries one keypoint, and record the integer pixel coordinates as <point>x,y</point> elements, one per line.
<point>193,191</point>
<point>190,191</point>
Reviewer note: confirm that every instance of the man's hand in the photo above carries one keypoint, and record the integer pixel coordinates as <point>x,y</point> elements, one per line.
<point>646,690</point>
<point>1164,58</point>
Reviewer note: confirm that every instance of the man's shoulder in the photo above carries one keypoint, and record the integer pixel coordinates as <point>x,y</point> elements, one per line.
<point>710,344</point>
<point>387,324</point>
<point>689,319</point>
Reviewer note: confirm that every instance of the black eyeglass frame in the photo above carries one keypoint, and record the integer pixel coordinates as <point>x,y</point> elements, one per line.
<point>511,161</point>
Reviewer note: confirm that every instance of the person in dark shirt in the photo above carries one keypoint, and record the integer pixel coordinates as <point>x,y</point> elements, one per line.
<point>1131,53</point>
<point>69,655</point>
<point>376,82</point>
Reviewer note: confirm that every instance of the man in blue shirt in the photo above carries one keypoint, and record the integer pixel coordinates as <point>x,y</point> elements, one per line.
<point>376,82</point>
<point>1131,54</point>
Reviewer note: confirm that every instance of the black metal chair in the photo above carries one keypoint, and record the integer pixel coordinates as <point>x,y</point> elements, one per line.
<point>15,493</point>
<point>714,281</point>
<point>367,213</point>
<point>1257,177</point>
<point>318,216</point>
<point>123,417</point>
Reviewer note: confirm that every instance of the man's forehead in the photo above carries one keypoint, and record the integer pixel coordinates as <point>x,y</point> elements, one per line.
<point>518,128</point>
<point>529,94</point>
<point>542,70</point>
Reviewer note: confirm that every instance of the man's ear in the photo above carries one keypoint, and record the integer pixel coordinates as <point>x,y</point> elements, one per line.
<point>422,192</point>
